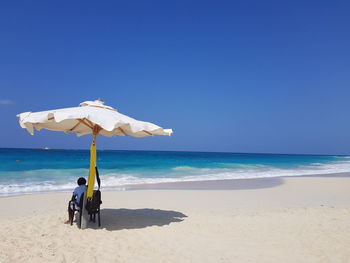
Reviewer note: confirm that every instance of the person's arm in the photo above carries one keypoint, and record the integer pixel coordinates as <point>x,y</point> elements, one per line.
<point>74,196</point>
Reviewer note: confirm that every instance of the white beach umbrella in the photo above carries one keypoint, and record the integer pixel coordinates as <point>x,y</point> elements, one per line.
<point>91,117</point>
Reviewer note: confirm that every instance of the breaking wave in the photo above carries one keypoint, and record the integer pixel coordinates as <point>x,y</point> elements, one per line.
<point>53,180</point>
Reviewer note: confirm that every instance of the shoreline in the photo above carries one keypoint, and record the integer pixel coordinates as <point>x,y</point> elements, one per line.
<point>224,184</point>
<point>311,191</point>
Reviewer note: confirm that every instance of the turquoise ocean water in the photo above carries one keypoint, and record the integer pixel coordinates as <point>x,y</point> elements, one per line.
<point>24,171</point>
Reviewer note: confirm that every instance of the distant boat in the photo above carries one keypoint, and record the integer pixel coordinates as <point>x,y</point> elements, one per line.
<point>46,148</point>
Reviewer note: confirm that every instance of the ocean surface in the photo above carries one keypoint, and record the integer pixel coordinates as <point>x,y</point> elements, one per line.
<point>25,171</point>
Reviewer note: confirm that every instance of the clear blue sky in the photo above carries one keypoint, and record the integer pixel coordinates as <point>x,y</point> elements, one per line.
<point>237,76</point>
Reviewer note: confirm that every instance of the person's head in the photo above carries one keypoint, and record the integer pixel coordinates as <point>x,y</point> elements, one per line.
<point>81,181</point>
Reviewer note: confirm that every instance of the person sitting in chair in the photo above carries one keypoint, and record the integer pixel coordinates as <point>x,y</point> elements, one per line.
<point>75,200</point>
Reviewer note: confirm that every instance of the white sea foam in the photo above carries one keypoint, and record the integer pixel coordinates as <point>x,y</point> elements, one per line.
<point>118,181</point>
<point>204,174</point>
<point>26,188</point>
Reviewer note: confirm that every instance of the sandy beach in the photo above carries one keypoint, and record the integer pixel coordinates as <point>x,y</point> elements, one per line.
<point>297,219</point>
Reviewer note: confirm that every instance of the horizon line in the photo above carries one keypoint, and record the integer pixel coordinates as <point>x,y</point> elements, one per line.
<point>87,149</point>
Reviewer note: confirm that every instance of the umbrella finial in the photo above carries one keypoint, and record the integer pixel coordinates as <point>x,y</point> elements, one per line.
<point>96,103</point>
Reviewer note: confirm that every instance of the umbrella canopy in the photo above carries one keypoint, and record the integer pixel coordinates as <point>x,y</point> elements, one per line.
<point>89,115</point>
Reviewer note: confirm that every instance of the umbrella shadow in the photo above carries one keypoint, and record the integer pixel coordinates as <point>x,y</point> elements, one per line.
<point>119,219</point>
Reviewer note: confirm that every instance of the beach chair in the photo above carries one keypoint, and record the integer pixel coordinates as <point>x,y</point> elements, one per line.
<point>93,204</point>
<point>75,208</point>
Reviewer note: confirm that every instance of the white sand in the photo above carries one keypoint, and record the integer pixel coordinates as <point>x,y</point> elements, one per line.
<point>289,220</point>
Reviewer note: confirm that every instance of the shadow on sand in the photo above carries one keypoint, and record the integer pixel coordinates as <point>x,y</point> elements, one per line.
<point>118,219</point>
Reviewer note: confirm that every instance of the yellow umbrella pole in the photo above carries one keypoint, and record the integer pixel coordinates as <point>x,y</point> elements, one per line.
<point>92,170</point>
<point>91,178</point>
